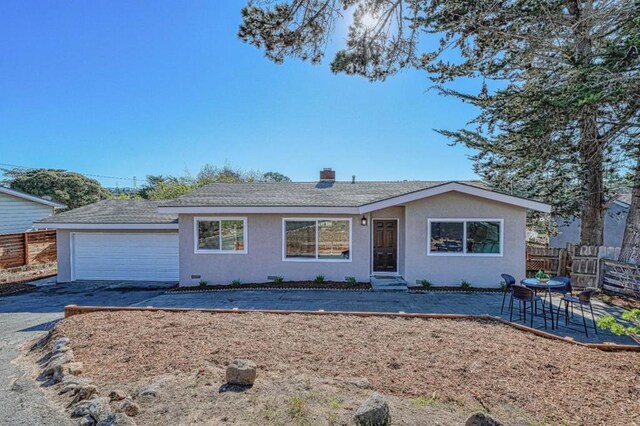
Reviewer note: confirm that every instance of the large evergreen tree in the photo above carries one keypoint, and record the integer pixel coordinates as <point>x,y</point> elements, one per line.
<point>565,100</point>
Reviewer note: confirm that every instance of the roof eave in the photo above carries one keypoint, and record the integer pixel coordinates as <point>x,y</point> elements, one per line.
<point>257,209</point>
<point>113,226</point>
<point>33,198</point>
<point>457,187</point>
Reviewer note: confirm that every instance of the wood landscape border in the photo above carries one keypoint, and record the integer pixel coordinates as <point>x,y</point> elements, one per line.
<point>72,310</point>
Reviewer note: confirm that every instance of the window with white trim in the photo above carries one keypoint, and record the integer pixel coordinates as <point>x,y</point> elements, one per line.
<point>466,237</point>
<point>220,235</point>
<point>327,240</point>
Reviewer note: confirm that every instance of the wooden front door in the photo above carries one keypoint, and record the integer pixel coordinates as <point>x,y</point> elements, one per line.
<point>385,246</point>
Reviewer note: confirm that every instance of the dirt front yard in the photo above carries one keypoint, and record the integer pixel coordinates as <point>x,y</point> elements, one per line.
<point>316,369</point>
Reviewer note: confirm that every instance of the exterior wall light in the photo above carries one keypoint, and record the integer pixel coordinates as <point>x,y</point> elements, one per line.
<point>363,221</point>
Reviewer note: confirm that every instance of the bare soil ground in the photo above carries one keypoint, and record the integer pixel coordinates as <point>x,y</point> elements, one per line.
<point>27,273</point>
<point>433,371</point>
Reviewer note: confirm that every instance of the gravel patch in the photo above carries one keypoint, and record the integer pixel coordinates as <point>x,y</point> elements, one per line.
<point>467,363</point>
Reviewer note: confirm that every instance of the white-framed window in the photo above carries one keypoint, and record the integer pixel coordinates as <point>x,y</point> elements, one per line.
<point>465,237</point>
<point>316,240</point>
<point>220,235</point>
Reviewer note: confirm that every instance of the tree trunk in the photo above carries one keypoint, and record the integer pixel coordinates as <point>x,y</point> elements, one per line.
<point>630,251</point>
<point>591,160</point>
<point>591,146</point>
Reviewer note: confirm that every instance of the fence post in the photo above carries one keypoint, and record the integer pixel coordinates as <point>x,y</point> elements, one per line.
<point>26,248</point>
<point>600,275</point>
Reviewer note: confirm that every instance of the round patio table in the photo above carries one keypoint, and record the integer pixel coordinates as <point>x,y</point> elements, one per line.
<point>535,285</point>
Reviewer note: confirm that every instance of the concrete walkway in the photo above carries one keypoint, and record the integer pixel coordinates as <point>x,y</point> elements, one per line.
<point>367,301</point>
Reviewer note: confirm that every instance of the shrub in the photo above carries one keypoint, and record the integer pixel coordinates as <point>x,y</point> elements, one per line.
<point>351,280</point>
<point>542,276</point>
<point>426,284</point>
<point>424,400</point>
<point>203,283</point>
<point>503,285</point>
<point>236,283</point>
<point>632,330</point>
<point>465,285</point>
<point>278,280</point>
<point>319,279</point>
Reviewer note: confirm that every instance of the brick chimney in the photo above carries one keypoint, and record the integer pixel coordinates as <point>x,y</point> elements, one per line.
<point>327,175</point>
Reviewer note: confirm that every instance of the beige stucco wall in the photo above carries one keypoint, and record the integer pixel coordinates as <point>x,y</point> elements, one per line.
<point>264,255</point>
<point>63,247</point>
<point>479,270</point>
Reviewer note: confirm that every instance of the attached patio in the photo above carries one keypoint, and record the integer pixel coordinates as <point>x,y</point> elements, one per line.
<point>436,302</point>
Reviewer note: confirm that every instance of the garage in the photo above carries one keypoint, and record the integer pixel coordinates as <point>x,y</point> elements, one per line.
<point>142,256</point>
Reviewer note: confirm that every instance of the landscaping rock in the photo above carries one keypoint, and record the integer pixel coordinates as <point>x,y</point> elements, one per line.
<point>241,372</point>
<point>151,391</point>
<point>60,349</point>
<point>117,395</point>
<point>129,407</point>
<point>481,419</point>
<point>56,361</point>
<point>99,409</point>
<point>96,409</point>
<point>118,419</point>
<point>61,371</point>
<point>360,382</point>
<point>75,380</point>
<point>373,412</point>
<point>67,388</point>
<point>87,421</point>
<point>61,341</point>
<point>84,392</point>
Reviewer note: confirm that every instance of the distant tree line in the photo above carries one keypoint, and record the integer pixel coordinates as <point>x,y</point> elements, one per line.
<point>76,190</point>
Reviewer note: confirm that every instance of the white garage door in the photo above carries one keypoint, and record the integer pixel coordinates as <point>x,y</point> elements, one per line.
<point>132,256</point>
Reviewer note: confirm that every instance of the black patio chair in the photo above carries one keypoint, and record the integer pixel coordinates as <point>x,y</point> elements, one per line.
<point>524,295</point>
<point>582,299</point>
<point>509,281</point>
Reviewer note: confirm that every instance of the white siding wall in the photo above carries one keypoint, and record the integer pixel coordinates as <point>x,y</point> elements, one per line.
<point>18,215</point>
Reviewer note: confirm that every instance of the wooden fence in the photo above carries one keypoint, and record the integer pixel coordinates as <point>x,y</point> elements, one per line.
<point>27,248</point>
<point>581,263</point>
<point>619,277</point>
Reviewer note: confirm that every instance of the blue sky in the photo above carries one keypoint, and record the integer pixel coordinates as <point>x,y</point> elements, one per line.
<point>117,88</point>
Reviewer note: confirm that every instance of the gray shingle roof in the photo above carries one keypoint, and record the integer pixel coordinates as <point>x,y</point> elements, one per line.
<point>300,194</point>
<point>114,211</point>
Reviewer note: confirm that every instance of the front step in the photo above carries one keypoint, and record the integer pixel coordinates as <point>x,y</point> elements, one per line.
<point>388,283</point>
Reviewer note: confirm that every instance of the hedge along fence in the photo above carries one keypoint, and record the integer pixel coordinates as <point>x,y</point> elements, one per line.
<point>72,310</point>
<point>27,248</point>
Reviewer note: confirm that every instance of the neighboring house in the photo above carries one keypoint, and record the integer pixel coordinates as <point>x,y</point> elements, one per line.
<point>615,220</point>
<point>440,231</point>
<point>19,211</point>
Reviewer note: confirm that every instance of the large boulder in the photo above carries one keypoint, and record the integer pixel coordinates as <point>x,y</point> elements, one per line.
<point>481,419</point>
<point>374,411</point>
<point>241,372</point>
<point>118,419</point>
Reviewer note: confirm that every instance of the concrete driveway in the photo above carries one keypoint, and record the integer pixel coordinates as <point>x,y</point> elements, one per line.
<point>27,315</point>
